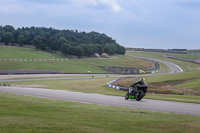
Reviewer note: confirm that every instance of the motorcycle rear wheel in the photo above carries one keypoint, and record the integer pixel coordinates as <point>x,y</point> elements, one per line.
<point>139,96</point>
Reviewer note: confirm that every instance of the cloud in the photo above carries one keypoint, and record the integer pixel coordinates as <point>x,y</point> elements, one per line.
<point>84,2</point>
<point>113,5</point>
<point>14,7</point>
<point>128,21</point>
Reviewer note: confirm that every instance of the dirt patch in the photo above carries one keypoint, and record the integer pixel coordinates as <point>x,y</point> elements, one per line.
<point>153,66</point>
<point>124,82</point>
<point>37,86</point>
<point>118,81</point>
<point>197,60</point>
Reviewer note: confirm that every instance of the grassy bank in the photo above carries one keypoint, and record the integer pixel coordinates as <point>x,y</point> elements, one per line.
<point>119,61</point>
<point>21,114</point>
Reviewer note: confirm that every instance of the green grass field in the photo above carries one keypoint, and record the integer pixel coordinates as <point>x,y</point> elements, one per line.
<point>186,66</point>
<point>22,114</point>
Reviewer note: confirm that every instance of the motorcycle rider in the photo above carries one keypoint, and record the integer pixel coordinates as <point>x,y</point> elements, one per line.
<point>139,84</point>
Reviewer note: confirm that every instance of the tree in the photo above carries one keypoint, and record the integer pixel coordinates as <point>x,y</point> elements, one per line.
<point>64,48</point>
<point>27,36</point>
<point>1,34</point>
<point>20,40</point>
<point>9,28</point>
<point>37,42</point>
<point>61,40</point>
<point>79,51</point>
<point>88,49</point>
<point>8,37</point>
<point>99,49</point>
<point>121,50</point>
<point>70,50</point>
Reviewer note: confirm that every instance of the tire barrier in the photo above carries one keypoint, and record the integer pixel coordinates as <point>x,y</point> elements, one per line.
<point>155,71</point>
<point>116,87</point>
<point>4,84</point>
<point>33,59</point>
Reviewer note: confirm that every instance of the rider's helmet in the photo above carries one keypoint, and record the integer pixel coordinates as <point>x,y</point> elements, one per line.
<point>143,79</point>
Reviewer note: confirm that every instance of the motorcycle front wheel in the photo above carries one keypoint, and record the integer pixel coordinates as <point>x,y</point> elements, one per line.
<point>127,96</point>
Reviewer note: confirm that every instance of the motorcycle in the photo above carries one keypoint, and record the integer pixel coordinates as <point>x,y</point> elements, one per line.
<point>135,93</point>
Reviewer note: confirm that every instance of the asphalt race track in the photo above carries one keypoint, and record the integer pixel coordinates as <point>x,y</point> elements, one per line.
<point>144,104</point>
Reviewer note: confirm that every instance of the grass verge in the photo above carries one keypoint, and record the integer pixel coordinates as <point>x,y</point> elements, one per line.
<point>21,114</point>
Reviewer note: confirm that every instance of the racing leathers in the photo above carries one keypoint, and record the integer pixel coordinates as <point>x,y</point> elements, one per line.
<point>139,85</point>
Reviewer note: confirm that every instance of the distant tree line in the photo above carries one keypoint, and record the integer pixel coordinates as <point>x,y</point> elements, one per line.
<point>177,49</point>
<point>67,41</point>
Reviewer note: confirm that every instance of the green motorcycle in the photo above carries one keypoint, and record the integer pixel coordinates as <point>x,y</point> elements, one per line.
<point>135,93</point>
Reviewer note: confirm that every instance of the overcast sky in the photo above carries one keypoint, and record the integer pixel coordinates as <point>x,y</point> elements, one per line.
<point>132,23</point>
